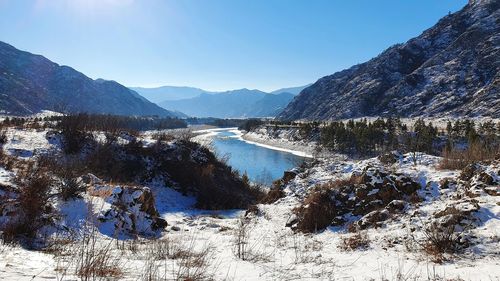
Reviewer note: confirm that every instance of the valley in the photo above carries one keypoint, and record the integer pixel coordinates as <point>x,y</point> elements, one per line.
<point>385,167</point>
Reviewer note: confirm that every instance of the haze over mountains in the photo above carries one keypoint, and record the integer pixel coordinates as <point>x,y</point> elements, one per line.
<point>229,104</point>
<point>30,83</point>
<point>450,69</point>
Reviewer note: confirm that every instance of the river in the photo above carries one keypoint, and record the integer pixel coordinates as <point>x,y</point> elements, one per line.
<point>262,164</point>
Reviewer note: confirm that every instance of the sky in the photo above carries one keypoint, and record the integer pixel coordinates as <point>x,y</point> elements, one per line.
<point>214,44</point>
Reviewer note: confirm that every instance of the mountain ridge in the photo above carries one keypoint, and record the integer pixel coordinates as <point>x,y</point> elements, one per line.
<point>232,104</point>
<point>30,83</point>
<point>451,69</point>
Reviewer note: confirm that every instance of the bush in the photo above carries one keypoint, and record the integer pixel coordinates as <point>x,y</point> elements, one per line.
<point>317,211</point>
<point>73,130</point>
<point>440,240</point>
<point>274,194</point>
<point>32,207</point>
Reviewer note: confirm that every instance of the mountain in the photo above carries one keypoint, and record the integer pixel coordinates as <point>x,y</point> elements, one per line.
<point>30,83</point>
<point>231,104</point>
<point>270,105</point>
<point>292,90</point>
<point>450,69</point>
<point>166,93</point>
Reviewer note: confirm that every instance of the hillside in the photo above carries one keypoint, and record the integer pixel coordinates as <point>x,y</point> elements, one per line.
<point>450,69</point>
<point>30,83</point>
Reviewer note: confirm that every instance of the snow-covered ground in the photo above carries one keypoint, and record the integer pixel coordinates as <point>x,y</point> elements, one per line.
<point>272,250</point>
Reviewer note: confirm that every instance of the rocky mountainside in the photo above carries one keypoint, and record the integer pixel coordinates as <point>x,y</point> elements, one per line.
<point>450,69</point>
<point>292,90</point>
<point>30,83</point>
<point>232,104</point>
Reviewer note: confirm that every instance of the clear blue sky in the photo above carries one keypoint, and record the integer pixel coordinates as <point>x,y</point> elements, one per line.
<point>214,44</point>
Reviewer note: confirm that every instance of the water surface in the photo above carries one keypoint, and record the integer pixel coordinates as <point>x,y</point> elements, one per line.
<point>263,165</point>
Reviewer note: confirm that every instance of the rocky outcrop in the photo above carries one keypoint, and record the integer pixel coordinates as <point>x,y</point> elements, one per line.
<point>477,178</point>
<point>372,195</point>
<point>450,69</point>
<point>132,212</point>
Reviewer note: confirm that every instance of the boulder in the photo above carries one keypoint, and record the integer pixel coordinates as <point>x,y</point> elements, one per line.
<point>468,172</point>
<point>458,214</point>
<point>132,212</point>
<point>289,175</point>
<point>373,219</point>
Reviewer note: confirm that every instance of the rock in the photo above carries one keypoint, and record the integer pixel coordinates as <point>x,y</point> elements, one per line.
<point>396,206</point>
<point>175,228</point>
<point>289,175</point>
<point>373,219</point>
<point>292,220</point>
<point>390,158</point>
<point>492,190</point>
<point>133,211</point>
<point>458,214</point>
<point>406,185</point>
<point>90,179</point>
<point>486,178</point>
<point>468,172</point>
<point>252,210</point>
<point>446,183</point>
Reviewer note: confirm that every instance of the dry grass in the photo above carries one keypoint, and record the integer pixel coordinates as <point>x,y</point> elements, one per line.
<point>355,241</point>
<point>457,159</point>
<point>317,211</point>
<point>440,240</point>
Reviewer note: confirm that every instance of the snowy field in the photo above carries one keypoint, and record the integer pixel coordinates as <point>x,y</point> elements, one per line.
<point>232,245</point>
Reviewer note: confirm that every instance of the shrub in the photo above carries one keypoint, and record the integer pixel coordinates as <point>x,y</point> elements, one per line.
<point>33,209</point>
<point>73,130</point>
<point>274,194</point>
<point>95,260</point>
<point>440,240</point>
<point>317,211</point>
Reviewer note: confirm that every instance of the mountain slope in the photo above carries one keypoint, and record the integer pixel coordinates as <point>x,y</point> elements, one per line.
<point>166,93</point>
<point>450,69</point>
<point>30,83</point>
<point>270,105</point>
<point>292,90</point>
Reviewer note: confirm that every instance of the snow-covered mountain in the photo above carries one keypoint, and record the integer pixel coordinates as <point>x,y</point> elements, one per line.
<point>450,69</point>
<point>31,83</point>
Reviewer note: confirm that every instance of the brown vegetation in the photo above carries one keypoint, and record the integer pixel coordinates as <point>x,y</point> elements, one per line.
<point>358,240</point>
<point>32,210</point>
<point>317,211</point>
<point>457,159</point>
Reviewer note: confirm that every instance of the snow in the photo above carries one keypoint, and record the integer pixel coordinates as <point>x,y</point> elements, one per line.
<point>275,251</point>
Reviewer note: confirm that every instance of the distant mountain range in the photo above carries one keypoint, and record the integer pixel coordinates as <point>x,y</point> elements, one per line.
<point>229,104</point>
<point>232,104</point>
<point>166,93</point>
<point>31,83</point>
<point>453,69</point>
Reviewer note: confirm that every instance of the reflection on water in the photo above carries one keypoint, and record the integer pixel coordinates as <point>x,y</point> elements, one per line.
<point>262,164</point>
